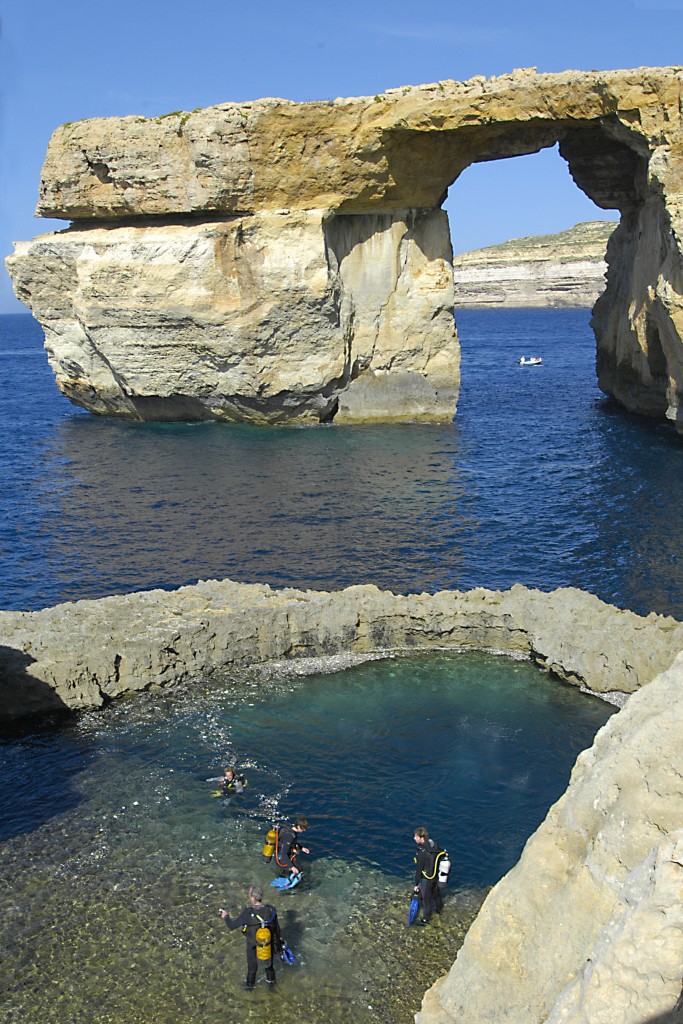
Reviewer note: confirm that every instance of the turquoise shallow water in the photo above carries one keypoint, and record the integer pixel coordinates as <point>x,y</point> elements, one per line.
<point>116,857</point>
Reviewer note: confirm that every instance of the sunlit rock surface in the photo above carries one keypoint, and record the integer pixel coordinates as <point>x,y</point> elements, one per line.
<point>272,318</point>
<point>588,926</point>
<point>155,638</point>
<point>387,161</point>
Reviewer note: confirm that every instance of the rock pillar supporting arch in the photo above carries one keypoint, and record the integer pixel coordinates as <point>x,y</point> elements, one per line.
<point>281,262</point>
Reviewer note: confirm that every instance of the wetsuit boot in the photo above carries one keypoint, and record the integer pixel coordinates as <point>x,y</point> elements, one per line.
<point>251,979</point>
<point>270,975</point>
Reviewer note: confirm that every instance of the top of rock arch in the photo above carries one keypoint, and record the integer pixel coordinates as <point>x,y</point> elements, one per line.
<point>398,150</point>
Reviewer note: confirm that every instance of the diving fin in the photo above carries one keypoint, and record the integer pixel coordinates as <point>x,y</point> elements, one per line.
<point>414,907</point>
<point>287,883</point>
<point>280,883</point>
<point>286,954</point>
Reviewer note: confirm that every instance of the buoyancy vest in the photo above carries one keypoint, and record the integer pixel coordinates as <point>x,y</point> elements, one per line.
<point>259,920</point>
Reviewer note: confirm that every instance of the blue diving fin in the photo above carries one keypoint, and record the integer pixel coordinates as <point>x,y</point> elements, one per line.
<point>286,954</point>
<point>280,883</point>
<point>287,883</point>
<point>414,907</point>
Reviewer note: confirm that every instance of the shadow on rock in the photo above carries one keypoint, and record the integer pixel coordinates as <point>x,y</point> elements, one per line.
<point>21,694</point>
<point>37,761</point>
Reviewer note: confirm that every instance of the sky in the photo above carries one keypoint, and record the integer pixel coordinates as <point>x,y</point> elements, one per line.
<point>79,59</point>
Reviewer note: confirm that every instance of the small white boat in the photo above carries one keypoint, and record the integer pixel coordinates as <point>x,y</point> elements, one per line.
<point>530,361</point>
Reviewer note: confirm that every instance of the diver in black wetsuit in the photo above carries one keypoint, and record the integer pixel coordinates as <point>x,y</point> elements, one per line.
<point>426,874</point>
<point>288,846</point>
<point>256,916</point>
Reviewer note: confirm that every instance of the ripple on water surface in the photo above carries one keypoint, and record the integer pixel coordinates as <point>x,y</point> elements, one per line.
<point>538,481</point>
<point>117,858</point>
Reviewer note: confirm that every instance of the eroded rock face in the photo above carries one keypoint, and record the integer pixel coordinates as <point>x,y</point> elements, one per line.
<point>385,164</point>
<point>270,318</point>
<point>588,924</point>
<point>48,659</point>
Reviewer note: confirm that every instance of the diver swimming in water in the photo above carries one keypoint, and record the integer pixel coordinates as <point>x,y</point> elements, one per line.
<point>231,785</point>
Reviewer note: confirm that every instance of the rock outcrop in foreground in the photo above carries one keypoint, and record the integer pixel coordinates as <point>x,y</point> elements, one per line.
<point>549,271</point>
<point>280,262</point>
<point>49,659</point>
<point>588,926</point>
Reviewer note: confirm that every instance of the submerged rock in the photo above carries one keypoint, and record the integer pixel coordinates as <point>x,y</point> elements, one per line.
<point>588,924</point>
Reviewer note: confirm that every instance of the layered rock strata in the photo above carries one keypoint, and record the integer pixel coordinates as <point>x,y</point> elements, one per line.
<point>270,318</point>
<point>588,926</point>
<point>49,659</point>
<point>566,269</point>
<point>304,196</point>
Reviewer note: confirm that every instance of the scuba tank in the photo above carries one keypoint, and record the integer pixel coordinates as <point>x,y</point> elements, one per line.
<point>264,940</point>
<point>269,845</point>
<point>444,869</point>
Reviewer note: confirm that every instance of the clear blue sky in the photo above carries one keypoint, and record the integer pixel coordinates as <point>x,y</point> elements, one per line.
<point>79,58</point>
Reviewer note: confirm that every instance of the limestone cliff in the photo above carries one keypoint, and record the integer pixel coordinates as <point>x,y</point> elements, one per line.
<point>327,261</point>
<point>559,270</point>
<point>271,318</point>
<point>588,926</point>
<point>48,659</point>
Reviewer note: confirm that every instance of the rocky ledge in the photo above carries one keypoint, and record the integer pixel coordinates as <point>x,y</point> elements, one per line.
<point>49,660</point>
<point>279,262</point>
<point>588,926</point>
<point>560,270</point>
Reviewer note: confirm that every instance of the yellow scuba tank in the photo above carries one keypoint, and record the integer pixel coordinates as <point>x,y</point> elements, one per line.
<point>269,845</point>
<point>264,940</point>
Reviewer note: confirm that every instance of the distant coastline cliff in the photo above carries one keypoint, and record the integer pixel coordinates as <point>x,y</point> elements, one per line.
<point>563,269</point>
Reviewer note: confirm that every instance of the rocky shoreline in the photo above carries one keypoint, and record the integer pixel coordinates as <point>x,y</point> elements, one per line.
<point>597,885</point>
<point>82,654</point>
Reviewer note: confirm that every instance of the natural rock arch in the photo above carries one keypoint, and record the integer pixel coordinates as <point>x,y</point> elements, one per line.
<point>283,262</point>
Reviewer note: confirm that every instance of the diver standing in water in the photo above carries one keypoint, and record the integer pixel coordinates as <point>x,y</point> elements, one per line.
<point>262,929</point>
<point>427,860</point>
<point>288,845</point>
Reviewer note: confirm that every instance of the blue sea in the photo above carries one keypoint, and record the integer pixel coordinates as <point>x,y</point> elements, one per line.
<point>540,479</point>
<point>115,855</point>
